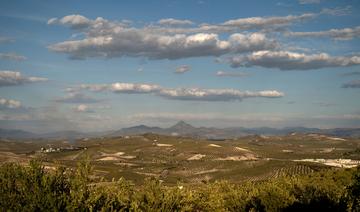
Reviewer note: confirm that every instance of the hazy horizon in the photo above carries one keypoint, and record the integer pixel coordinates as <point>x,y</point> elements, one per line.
<point>169,125</point>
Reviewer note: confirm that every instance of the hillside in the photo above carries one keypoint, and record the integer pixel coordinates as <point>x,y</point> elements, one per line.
<point>192,160</point>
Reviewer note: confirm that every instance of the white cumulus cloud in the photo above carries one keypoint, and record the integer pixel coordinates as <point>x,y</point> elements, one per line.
<point>197,94</point>
<point>134,88</point>
<point>74,21</point>
<point>191,94</point>
<point>109,39</point>
<point>285,60</point>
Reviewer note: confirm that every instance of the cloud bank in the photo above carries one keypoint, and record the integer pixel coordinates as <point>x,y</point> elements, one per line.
<point>12,56</point>
<point>336,34</point>
<point>83,109</point>
<point>182,69</point>
<point>10,78</point>
<point>9,104</point>
<point>286,60</point>
<point>174,22</point>
<point>77,98</point>
<point>190,94</point>
<point>231,74</point>
<point>109,39</point>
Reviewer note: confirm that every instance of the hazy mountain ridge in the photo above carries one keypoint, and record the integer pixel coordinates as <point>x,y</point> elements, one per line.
<point>184,129</point>
<point>16,134</point>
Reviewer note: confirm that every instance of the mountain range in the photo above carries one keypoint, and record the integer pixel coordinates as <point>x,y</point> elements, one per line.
<point>182,129</point>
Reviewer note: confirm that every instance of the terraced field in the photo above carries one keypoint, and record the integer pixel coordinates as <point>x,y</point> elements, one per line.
<point>188,160</point>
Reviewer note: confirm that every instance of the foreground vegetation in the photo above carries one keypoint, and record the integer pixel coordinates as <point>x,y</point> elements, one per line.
<point>33,188</point>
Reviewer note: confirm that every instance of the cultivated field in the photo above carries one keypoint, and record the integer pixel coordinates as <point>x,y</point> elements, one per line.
<point>191,161</point>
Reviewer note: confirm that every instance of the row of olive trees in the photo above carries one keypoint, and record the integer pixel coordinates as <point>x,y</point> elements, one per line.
<point>32,188</point>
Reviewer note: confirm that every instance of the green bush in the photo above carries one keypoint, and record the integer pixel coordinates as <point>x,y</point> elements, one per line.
<point>34,188</point>
<point>354,191</point>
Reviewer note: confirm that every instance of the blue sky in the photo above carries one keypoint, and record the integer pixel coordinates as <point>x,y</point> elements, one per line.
<point>93,66</point>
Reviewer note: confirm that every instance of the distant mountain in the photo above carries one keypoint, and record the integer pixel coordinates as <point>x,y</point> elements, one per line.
<point>184,129</point>
<point>136,130</point>
<point>16,134</point>
<point>69,134</point>
<point>343,132</point>
<point>181,125</point>
<point>282,131</point>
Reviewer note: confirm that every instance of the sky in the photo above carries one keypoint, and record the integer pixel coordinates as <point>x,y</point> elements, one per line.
<point>105,65</point>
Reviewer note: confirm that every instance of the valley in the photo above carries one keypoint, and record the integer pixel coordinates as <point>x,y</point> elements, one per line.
<point>189,160</point>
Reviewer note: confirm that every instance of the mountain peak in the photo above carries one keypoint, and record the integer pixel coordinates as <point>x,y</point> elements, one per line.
<point>182,125</point>
<point>181,122</point>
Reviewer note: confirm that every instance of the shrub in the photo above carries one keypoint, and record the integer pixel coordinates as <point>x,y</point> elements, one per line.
<point>34,188</point>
